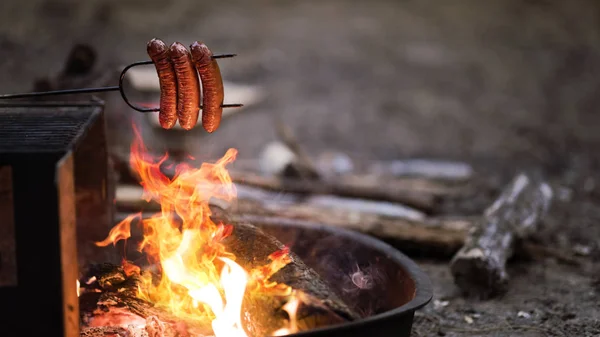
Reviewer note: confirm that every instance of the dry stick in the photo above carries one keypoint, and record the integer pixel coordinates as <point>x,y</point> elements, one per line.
<point>366,189</point>
<point>479,267</point>
<point>419,193</point>
<point>434,234</point>
<point>443,236</point>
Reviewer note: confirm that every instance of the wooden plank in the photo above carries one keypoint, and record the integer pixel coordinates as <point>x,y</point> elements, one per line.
<point>68,246</point>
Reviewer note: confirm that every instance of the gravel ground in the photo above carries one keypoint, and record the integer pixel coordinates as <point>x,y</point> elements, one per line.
<point>507,85</point>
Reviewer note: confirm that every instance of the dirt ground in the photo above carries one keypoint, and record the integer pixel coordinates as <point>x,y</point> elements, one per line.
<point>506,85</point>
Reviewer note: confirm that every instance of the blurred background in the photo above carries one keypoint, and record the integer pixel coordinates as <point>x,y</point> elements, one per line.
<point>500,84</point>
<point>498,79</point>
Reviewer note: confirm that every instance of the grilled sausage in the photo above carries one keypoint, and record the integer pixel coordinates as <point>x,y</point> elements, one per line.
<point>212,85</point>
<point>159,54</point>
<point>188,86</point>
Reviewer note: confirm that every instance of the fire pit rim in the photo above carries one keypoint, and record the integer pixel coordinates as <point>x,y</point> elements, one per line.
<point>423,285</point>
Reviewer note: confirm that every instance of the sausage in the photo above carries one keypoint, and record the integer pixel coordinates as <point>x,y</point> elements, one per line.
<point>212,85</point>
<point>159,54</point>
<point>188,86</point>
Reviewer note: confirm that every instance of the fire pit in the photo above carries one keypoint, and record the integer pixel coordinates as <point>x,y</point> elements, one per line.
<point>204,273</point>
<point>372,277</point>
<point>207,273</point>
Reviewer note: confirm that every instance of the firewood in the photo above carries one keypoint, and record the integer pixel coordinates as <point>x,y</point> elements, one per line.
<point>320,306</point>
<point>393,191</point>
<point>112,288</point>
<point>479,267</point>
<point>103,331</point>
<point>429,168</point>
<point>437,236</point>
<point>417,192</point>
<point>263,311</point>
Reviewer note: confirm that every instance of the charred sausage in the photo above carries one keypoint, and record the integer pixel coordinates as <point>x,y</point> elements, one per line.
<point>159,54</point>
<point>188,86</point>
<point>212,85</point>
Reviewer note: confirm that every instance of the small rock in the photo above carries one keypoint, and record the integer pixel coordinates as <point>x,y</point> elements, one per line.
<point>582,250</point>
<point>437,304</point>
<point>275,157</point>
<point>469,319</point>
<point>564,194</point>
<point>523,314</point>
<point>589,184</point>
<point>334,163</point>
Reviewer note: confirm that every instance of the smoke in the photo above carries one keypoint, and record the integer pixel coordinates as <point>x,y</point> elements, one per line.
<point>361,279</point>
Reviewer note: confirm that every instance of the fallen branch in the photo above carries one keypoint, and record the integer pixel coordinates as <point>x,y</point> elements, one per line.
<point>428,168</point>
<point>439,235</point>
<point>479,267</point>
<point>433,236</point>
<point>393,191</point>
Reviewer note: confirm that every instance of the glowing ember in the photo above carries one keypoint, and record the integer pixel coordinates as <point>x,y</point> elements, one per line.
<point>199,280</point>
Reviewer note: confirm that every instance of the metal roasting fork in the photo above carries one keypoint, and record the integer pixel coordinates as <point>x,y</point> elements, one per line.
<point>113,88</point>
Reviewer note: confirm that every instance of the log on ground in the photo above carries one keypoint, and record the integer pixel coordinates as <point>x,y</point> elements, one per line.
<point>394,191</point>
<point>479,267</point>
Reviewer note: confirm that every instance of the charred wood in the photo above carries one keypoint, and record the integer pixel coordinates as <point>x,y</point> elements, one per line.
<point>110,289</point>
<point>319,304</point>
<point>104,331</point>
<point>263,311</point>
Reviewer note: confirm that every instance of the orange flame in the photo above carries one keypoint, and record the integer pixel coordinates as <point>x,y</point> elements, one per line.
<point>199,279</point>
<point>121,231</point>
<point>291,307</point>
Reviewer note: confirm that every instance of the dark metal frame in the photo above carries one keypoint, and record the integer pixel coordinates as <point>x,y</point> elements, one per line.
<point>45,186</point>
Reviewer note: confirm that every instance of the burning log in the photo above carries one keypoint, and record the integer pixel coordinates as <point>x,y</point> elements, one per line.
<point>264,310</point>
<point>479,267</point>
<point>318,304</point>
<point>111,293</point>
<point>103,331</point>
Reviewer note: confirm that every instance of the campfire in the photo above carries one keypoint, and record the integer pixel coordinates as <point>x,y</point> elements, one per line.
<point>195,277</point>
<point>203,262</point>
